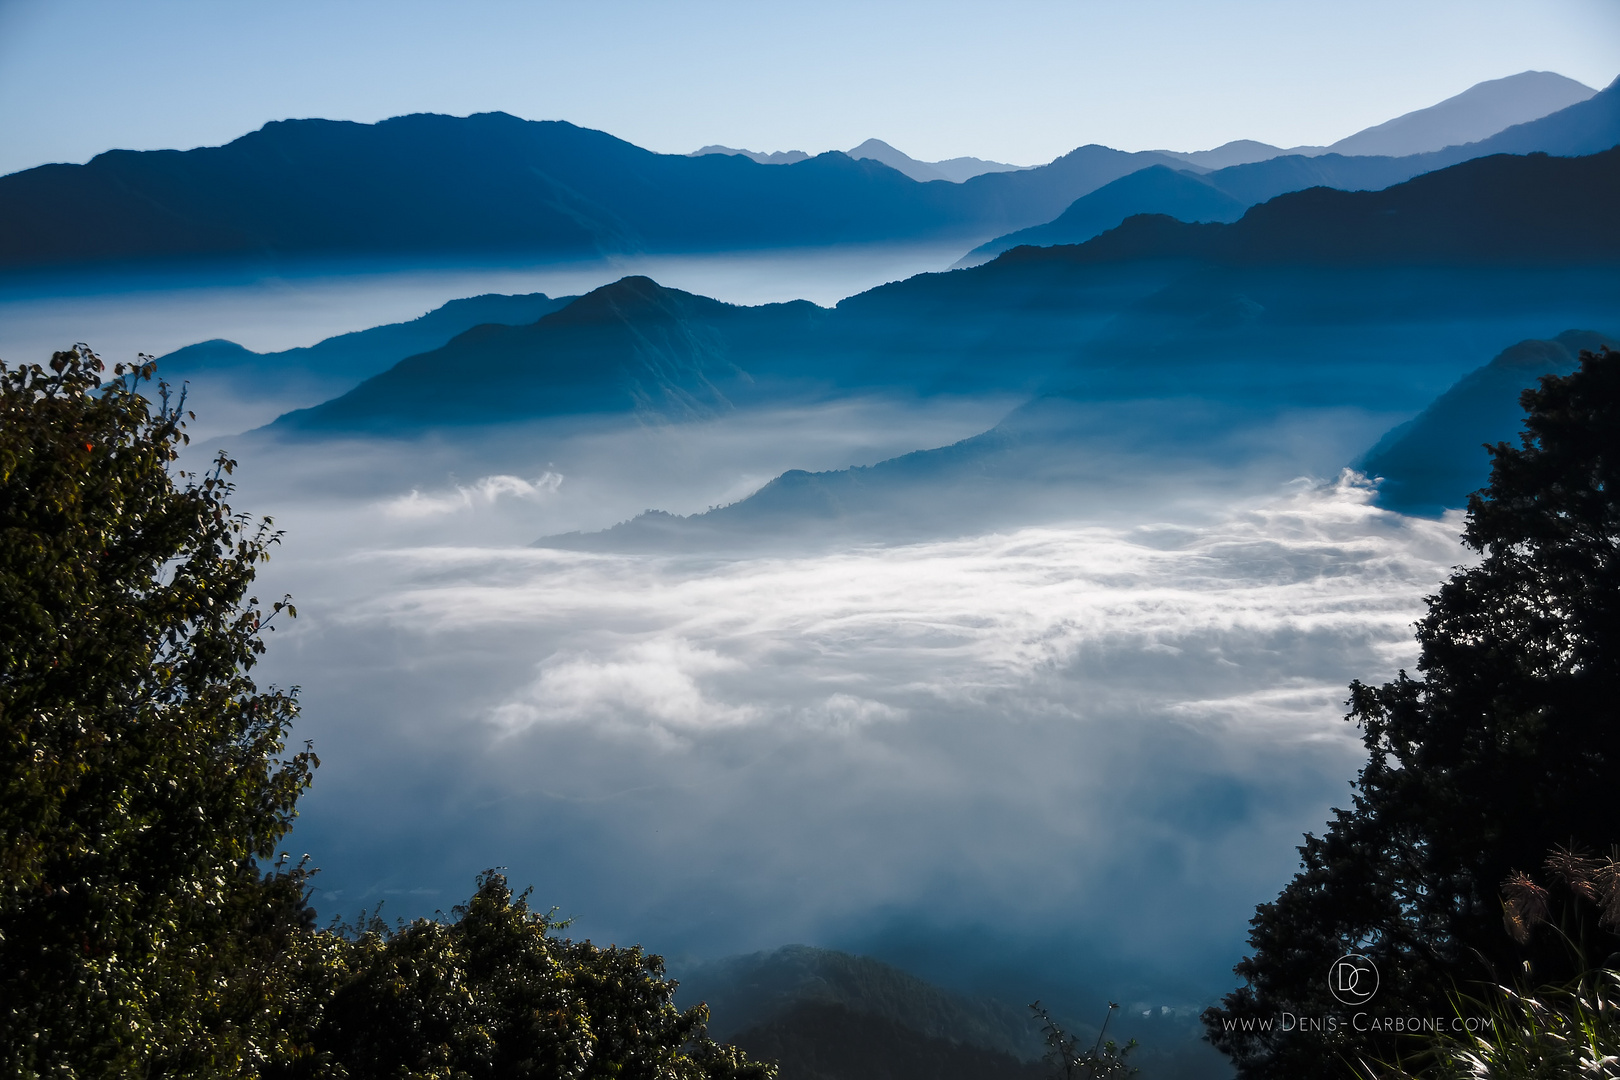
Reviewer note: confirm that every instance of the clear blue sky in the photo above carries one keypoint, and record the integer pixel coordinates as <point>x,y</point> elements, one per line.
<point>1015,80</point>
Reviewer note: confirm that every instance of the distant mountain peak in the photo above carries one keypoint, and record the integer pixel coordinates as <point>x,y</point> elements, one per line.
<point>955,170</point>
<point>1477,113</point>
<point>873,148</point>
<point>1236,152</point>
<point>775,157</point>
<point>633,297</point>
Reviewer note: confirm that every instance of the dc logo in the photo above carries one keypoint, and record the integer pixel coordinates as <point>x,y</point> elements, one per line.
<point>1353,979</point>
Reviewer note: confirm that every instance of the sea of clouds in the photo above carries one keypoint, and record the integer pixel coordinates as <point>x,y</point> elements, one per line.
<point>1104,737</point>
<point>1082,751</point>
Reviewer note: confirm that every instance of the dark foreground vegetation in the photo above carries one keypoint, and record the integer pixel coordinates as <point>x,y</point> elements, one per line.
<point>1502,748</point>
<point>147,926</point>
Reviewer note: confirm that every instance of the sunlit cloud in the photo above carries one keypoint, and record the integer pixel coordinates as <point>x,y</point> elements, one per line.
<point>670,643</point>
<point>483,492</point>
<point>654,683</point>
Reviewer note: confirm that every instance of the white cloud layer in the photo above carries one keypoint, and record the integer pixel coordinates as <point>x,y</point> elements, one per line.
<point>719,755</point>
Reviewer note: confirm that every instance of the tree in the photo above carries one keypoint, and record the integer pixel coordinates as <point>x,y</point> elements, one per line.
<point>144,780</point>
<point>1504,745</point>
<point>494,995</point>
<point>141,770</point>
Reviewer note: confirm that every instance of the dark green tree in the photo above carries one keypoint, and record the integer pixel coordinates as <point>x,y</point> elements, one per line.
<point>1505,744</point>
<point>495,995</point>
<point>142,773</point>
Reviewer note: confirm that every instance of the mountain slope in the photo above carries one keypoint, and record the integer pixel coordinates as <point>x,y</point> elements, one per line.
<point>816,1040</point>
<point>1477,113</point>
<point>1154,190</point>
<point>745,991</point>
<point>237,389</point>
<point>1524,210</point>
<point>1269,349</point>
<point>363,353</point>
<point>1096,453</point>
<point>1236,152</point>
<point>632,346</point>
<point>1221,195</point>
<point>955,170</point>
<point>1436,460</point>
<point>429,183</point>
<point>1587,127</point>
<point>825,1015</point>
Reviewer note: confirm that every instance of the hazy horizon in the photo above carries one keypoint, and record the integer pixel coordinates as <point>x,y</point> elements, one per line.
<point>1025,85</point>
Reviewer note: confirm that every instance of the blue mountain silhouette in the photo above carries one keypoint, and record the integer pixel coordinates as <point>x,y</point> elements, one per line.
<point>495,184</point>
<point>1014,325</point>
<point>1585,128</point>
<point>1434,461</point>
<point>363,353</point>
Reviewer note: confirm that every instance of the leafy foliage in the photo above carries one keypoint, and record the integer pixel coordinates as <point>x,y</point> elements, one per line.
<point>1556,1033</point>
<point>1104,1059</point>
<point>1570,1030</point>
<point>1507,743</point>
<point>494,994</point>
<point>141,767</point>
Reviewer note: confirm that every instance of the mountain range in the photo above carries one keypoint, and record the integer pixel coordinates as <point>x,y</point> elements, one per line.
<point>494,185</point>
<point>1477,113</point>
<point>1586,127</point>
<point>349,358</point>
<point>1502,208</point>
<point>1158,352</point>
<point>955,169</point>
<point>635,346</point>
<point>1040,455</point>
<point>491,185</point>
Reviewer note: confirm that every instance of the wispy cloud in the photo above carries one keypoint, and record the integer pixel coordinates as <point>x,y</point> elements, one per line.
<point>483,492</point>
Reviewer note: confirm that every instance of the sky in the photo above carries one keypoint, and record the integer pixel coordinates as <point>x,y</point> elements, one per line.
<point>1020,81</point>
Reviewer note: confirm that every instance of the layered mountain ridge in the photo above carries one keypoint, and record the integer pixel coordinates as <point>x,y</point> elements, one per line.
<point>1009,326</point>
<point>1477,113</point>
<point>1588,126</point>
<point>492,185</point>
